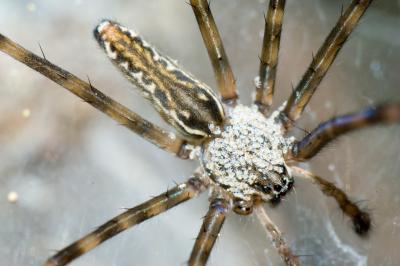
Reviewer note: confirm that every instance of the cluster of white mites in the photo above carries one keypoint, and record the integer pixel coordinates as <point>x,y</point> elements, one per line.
<point>249,147</point>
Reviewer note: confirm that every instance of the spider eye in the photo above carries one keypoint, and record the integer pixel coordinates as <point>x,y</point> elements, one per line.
<point>266,189</point>
<point>263,185</point>
<point>274,184</point>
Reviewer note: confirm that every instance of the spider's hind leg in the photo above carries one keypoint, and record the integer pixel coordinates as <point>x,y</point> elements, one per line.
<point>313,142</point>
<point>361,219</point>
<point>131,217</point>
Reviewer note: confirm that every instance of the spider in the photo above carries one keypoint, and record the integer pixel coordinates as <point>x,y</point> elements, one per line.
<point>239,204</point>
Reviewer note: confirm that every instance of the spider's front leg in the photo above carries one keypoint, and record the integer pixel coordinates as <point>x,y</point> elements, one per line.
<point>322,61</point>
<point>209,231</point>
<point>96,98</point>
<point>276,237</point>
<point>131,217</point>
<point>212,40</point>
<point>265,82</point>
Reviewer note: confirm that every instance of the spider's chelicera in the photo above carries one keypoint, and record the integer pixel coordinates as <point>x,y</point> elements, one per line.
<point>245,155</point>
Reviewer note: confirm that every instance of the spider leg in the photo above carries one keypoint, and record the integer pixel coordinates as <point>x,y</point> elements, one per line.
<point>209,231</point>
<point>322,61</point>
<point>96,98</point>
<point>276,237</point>
<point>361,220</point>
<point>131,217</point>
<point>265,82</point>
<point>216,52</point>
<point>333,128</point>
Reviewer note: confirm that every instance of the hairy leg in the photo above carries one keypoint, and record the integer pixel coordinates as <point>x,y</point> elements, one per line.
<point>335,127</point>
<point>131,217</point>
<point>265,82</point>
<point>322,61</point>
<point>216,51</point>
<point>209,231</point>
<point>276,237</point>
<point>96,98</point>
<point>361,220</point>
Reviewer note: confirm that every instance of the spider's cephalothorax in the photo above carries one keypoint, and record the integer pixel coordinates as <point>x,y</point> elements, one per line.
<point>247,157</point>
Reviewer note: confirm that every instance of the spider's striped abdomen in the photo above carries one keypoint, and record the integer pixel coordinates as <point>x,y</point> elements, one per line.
<point>186,103</point>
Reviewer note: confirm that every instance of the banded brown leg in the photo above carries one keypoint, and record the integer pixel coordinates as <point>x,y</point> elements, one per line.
<point>265,82</point>
<point>361,220</point>
<point>276,237</point>
<point>96,98</point>
<point>322,61</point>
<point>212,40</point>
<point>209,231</point>
<point>333,128</point>
<point>131,217</point>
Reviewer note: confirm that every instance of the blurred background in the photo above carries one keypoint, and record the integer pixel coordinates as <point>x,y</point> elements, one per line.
<point>72,168</point>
